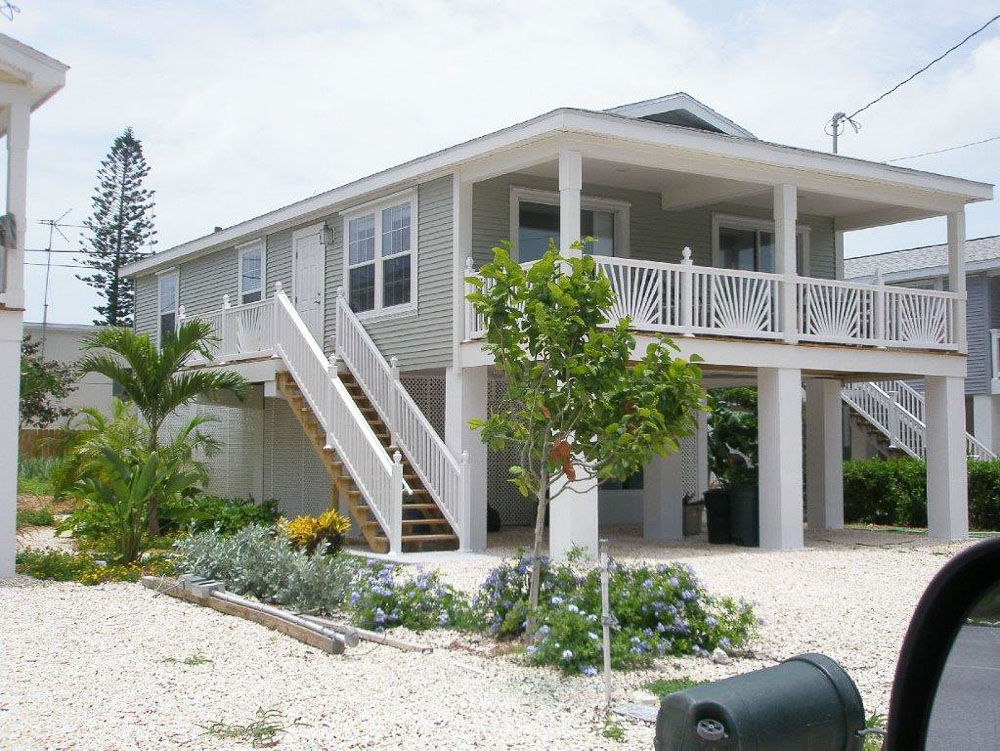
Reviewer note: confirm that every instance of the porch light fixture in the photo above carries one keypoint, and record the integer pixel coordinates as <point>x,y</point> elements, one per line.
<point>328,235</point>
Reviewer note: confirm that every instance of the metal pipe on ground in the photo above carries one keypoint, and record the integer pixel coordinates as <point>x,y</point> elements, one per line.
<point>373,636</point>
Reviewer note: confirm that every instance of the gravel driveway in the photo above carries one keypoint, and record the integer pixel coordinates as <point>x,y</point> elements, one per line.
<point>102,667</point>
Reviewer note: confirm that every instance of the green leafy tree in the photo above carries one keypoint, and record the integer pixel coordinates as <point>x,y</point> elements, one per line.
<point>732,438</point>
<point>43,384</point>
<point>155,379</point>
<point>577,410</point>
<point>119,227</point>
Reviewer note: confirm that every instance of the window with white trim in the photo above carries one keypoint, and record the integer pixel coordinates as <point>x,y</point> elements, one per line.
<point>251,284</point>
<point>535,219</point>
<point>380,263</point>
<point>748,245</point>
<point>167,305</point>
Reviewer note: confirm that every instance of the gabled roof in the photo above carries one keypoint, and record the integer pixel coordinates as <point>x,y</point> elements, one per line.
<point>25,67</point>
<point>981,253</point>
<point>681,109</point>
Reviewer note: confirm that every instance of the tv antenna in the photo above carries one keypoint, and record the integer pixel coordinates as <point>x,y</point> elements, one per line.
<point>54,225</point>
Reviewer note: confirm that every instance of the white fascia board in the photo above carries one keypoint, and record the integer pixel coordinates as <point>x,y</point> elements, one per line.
<point>803,167</point>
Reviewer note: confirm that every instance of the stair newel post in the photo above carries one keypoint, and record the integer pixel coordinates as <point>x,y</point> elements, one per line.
<point>879,304</point>
<point>394,387</point>
<point>332,373</point>
<point>396,512</point>
<point>339,321</point>
<point>894,422</point>
<point>687,293</point>
<point>225,334</point>
<point>470,313</point>
<point>465,504</point>
<point>181,315</point>
<point>275,325</point>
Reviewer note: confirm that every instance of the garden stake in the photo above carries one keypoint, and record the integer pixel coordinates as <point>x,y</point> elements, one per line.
<point>606,620</point>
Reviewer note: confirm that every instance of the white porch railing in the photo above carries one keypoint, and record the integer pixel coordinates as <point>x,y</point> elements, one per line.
<point>446,479</point>
<point>378,477</point>
<point>241,331</point>
<point>897,410</point>
<point>682,298</point>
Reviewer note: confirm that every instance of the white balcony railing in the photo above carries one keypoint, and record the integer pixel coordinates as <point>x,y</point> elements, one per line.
<point>241,331</point>
<point>681,298</point>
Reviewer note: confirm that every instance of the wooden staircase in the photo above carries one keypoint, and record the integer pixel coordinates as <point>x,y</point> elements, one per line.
<point>424,526</point>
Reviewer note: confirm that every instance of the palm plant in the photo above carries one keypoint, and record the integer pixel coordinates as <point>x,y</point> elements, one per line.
<point>155,380</point>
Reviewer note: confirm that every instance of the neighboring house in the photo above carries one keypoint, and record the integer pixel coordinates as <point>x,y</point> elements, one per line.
<point>926,268</point>
<point>62,343</point>
<point>27,80</point>
<point>347,311</point>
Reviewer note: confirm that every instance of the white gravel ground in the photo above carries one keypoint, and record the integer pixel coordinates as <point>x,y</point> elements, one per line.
<point>88,667</point>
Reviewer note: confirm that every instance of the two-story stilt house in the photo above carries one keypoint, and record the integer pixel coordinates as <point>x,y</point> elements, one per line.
<point>348,312</point>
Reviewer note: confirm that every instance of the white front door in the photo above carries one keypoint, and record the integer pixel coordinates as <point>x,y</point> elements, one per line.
<point>309,278</point>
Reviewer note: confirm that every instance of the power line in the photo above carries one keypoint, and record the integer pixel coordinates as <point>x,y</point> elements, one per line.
<point>937,59</point>
<point>61,265</point>
<point>942,151</point>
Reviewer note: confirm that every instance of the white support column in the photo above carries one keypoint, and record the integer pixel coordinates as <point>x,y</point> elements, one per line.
<point>824,455</point>
<point>663,499</point>
<point>956,273</point>
<point>461,252</point>
<point>570,186</point>
<point>838,254</point>
<point>17,191</point>
<point>986,420</point>
<point>779,418</point>
<point>947,492</point>
<point>573,520</point>
<point>465,399</point>
<point>785,256</point>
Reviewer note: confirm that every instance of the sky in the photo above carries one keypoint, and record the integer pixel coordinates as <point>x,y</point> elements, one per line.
<point>246,106</point>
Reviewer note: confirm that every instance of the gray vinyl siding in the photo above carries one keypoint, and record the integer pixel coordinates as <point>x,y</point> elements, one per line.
<point>977,379</point>
<point>146,289</point>
<point>654,234</point>
<point>203,281</point>
<point>278,262</point>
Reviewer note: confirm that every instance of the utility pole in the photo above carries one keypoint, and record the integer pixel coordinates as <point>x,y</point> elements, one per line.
<point>835,126</point>
<point>54,225</point>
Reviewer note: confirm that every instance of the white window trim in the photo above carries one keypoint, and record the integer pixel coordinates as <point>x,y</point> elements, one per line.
<point>172,272</point>
<point>734,221</point>
<point>241,250</point>
<point>621,209</point>
<point>376,207</point>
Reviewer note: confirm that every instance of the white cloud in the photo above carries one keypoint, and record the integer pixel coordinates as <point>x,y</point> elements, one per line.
<point>246,106</point>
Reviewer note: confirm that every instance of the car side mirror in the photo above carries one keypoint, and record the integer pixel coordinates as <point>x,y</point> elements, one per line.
<point>946,692</point>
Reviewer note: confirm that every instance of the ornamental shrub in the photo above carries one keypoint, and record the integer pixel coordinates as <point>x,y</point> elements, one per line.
<point>385,595</point>
<point>893,492</point>
<point>205,512</point>
<point>660,610</point>
<point>309,532</point>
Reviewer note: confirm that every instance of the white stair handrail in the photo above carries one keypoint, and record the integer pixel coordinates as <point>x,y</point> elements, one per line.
<point>379,478</point>
<point>897,410</point>
<point>441,473</point>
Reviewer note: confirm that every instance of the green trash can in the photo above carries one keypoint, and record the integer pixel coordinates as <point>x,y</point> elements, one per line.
<point>717,513</point>
<point>807,703</point>
<point>744,515</point>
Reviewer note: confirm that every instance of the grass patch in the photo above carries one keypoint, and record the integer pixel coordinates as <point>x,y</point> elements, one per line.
<point>191,660</point>
<point>264,731</point>
<point>39,517</point>
<point>612,730</point>
<point>663,686</point>
<point>33,485</point>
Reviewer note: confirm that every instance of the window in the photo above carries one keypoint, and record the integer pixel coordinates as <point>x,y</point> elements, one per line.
<point>167,305</point>
<point>251,286</point>
<point>748,245</point>
<point>535,216</point>
<point>380,257</point>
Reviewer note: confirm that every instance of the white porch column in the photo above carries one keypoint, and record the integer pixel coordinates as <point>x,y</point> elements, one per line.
<point>947,493</point>
<point>986,420</point>
<point>570,185</point>
<point>11,330</point>
<point>573,520</point>
<point>779,438</point>
<point>838,254</point>
<point>785,256</point>
<point>824,455</point>
<point>956,272</point>
<point>663,499</point>
<point>465,399</point>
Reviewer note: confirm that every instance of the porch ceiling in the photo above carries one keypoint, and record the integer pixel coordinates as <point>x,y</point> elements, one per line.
<point>685,190</point>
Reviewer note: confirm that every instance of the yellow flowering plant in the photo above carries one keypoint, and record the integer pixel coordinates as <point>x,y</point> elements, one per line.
<point>307,532</point>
